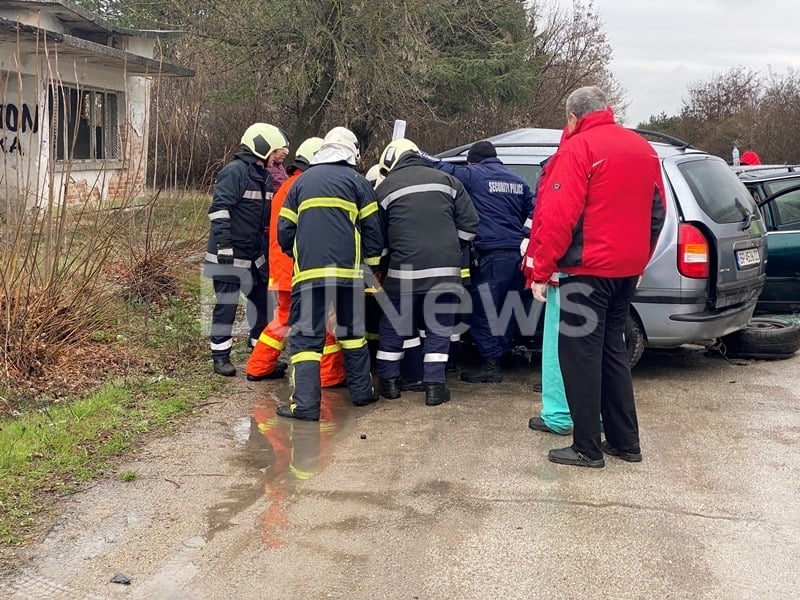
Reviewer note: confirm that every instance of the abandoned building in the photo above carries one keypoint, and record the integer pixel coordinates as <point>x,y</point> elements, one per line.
<point>74,104</point>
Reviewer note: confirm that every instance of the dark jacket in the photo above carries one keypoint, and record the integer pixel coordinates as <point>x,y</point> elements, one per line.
<point>239,212</point>
<point>428,216</point>
<point>330,225</point>
<point>503,200</point>
<point>600,206</point>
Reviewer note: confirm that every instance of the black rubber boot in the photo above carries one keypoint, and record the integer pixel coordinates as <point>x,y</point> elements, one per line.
<point>389,388</point>
<point>436,393</point>
<point>489,372</point>
<point>224,367</point>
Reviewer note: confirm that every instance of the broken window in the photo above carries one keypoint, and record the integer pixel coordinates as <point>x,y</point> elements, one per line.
<point>85,123</point>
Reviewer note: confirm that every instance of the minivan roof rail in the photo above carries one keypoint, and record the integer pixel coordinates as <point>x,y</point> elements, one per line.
<point>664,137</point>
<point>753,168</point>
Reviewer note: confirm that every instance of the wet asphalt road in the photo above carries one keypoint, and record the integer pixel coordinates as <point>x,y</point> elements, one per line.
<point>404,501</point>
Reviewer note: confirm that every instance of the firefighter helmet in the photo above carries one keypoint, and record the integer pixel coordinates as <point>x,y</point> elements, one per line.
<point>306,151</point>
<point>341,136</point>
<point>374,175</point>
<point>392,153</point>
<point>262,139</point>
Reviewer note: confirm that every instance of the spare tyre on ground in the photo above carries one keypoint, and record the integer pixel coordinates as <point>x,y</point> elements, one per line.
<point>765,338</point>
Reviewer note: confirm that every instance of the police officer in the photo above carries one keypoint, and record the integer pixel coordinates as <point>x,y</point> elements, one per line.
<point>330,224</point>
<point>235,259</point>
<point>504,203</point>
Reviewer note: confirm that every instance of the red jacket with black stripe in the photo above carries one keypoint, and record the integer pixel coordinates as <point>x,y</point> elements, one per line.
<point>600,206</point>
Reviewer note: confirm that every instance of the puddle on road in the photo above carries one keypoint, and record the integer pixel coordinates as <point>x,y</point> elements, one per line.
<point>286,452</point>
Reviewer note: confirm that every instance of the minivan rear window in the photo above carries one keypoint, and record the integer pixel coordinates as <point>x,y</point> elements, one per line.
<point>718,191</point>
<point>529,173</point>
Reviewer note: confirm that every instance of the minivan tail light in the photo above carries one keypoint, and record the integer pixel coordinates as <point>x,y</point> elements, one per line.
<point>692,252</point>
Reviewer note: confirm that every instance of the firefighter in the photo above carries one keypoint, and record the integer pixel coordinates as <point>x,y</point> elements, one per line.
<point>504,203</point>
<point>329,221</point>
<point>235,259</point>
<point>263,362</point>
<point>428,215</point>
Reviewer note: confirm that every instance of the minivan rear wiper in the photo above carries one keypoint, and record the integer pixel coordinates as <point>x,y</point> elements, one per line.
<point>749,216</point>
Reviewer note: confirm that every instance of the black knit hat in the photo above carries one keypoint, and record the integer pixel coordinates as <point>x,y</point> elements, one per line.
<point>481,151</point>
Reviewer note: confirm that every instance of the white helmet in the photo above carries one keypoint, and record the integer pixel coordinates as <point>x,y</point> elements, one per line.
<point>341,136</point>
<point>374,175</point>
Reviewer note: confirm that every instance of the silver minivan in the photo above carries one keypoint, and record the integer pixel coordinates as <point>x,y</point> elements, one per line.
<point>708,268</point>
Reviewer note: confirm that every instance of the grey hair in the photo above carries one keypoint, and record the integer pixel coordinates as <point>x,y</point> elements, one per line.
<point>586,100</point>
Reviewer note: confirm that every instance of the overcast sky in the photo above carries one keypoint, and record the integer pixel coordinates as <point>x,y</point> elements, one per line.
<point>661,47</point>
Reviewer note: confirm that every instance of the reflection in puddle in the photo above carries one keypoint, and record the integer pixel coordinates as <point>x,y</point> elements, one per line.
<point>288,452</point>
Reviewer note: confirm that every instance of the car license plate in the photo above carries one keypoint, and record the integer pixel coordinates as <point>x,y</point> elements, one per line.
<point>748,258</point>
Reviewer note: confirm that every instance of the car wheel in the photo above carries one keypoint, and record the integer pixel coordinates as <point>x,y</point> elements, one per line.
<point>634,339</point>
<point>764,338</point>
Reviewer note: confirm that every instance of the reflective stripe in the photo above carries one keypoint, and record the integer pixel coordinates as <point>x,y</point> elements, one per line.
<point>465,235</point>
<point>372,336</point>
<point>288,214</point>
<point>226,345</point>
<point>301,475</point>
<point>324,272</point>
<point>423,273</point>
<point>237,262</point>
<point>219,214</point>
<point>456,337</point>
<point>418,189</point>
<point>351,208</point>
<point>272,342</point>
<point>389,356</point>
<point>435,358</point>
<point>369,209</point>
<point>308,355</point>
<point>353,344</point>
<point>412,343</point>
<point>331,348</point>
<point>252,195</point>
<point>373,261</point>
<point>384,252</point>
<point>422,333</point>
<point>465,274</point>
<point>528,224</point>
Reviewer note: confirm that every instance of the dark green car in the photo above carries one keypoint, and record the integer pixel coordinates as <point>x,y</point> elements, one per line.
<point>776,190</point>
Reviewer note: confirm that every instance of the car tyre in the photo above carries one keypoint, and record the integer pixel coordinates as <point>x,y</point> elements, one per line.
<point>764,338</point>
<point>634,339</point>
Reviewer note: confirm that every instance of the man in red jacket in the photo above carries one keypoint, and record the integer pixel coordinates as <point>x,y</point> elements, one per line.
<point>597,220</point>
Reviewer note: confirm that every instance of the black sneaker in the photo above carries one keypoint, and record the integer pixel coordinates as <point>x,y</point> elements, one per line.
<point>626,456</point>
<point>538,424</point>
<point>224,367</point>
<point>568,456</point>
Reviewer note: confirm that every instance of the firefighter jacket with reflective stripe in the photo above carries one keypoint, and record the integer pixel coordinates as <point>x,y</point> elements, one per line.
<point>428,217</point>
<point>503,199</point>
<point>330,225</point>
<point>280,265</point>
<point>239,212</point>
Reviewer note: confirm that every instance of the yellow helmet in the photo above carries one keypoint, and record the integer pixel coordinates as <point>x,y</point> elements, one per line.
<point>306,151</point>
<point>262,139</point>
<point>392,153</point>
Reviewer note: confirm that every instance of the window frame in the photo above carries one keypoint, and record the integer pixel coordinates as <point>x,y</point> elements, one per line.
<point>101,132</point>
